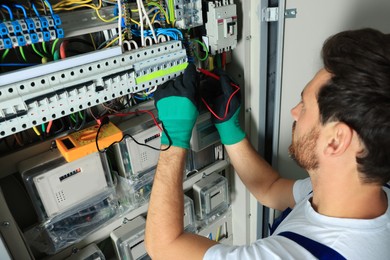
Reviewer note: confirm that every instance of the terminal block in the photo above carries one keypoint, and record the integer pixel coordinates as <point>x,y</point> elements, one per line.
<point>30,30</point>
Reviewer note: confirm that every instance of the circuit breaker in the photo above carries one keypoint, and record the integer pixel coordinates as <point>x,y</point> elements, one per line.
<point>221,26</point>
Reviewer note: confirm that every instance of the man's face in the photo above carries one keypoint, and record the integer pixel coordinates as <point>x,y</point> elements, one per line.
<point>306,128</point>
<point>303,149</point>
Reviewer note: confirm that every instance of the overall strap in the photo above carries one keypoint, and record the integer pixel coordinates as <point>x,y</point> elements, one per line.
<point>317,249</point>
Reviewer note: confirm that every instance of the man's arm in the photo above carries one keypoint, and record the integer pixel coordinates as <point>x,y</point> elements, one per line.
<point>165,237</point>
<point>259,177</point>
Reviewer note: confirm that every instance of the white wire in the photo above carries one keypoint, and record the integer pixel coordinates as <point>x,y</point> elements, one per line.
<point>148,92</point>
<point>148,41</point>
<point>161,38</point>
<point>134,43</point>
<point>127,43</point>
<point>139,3</point>
<point>120,21</point>
<point>148,20</point>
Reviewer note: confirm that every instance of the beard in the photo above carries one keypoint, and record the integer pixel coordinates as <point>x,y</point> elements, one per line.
<point>302,150</point>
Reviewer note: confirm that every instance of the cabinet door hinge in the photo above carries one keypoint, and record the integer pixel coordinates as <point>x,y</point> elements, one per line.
<point>271,14</point>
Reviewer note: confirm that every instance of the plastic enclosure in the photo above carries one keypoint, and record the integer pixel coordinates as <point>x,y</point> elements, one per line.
<point>57,187</point>
<point>210,196</point>
<point>62,231</point>
<point>71,199</point>
<point>134,159</point>
<point>189,215</point>
<point>198,160</point>
<point>90,252</point>
<point>135,192</point>
<point>128,240</point>
<point>204,133</point>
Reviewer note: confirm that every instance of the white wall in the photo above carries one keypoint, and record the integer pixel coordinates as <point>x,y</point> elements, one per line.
<point>304,35</point>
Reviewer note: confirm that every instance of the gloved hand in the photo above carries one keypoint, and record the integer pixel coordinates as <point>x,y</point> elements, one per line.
<point>177,103</point>
<point>227,123</point>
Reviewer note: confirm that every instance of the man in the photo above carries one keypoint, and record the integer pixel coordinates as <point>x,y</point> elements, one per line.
<point>341,136</point>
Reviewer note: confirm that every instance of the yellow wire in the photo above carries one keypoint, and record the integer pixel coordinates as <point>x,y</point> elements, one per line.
<point>36,131</point>
<point>93,41</point>
<point>154,17</point>
<point>104,20</point>
<point>161,9</point>
<point>218,234</point>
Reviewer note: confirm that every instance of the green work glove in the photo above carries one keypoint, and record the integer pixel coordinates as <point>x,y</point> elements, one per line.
<point>227,124</point>
<point>177,104</point>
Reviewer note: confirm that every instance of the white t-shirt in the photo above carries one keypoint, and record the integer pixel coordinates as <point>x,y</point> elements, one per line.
<point>352,238</point>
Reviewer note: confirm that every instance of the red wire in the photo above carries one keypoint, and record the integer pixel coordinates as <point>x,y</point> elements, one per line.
<point>210,74</point>
<point>62,49</point>
<point>223,59</point>
<point>49,126</point>
<point>133,113</point>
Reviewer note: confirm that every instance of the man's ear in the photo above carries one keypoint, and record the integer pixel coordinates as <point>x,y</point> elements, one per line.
<point>338,140</point>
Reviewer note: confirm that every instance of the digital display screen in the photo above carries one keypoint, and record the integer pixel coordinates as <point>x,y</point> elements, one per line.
<point>68,144</point>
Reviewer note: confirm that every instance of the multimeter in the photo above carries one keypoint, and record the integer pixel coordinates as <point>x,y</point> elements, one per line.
<point>83,142</point>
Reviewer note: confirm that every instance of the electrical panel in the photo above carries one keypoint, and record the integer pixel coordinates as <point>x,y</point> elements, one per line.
<point>70,72</point>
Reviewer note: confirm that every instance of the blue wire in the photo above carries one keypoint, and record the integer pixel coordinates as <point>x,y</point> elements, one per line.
<point>11,16</point>
<point>51,9</point>
<point>140,98</point>
<point>35,9</point>
<point>23,9</point>
<point>17,64</point>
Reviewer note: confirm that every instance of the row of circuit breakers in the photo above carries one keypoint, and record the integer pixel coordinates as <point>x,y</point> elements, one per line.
<point>39,94</point>
<point>76,196</point>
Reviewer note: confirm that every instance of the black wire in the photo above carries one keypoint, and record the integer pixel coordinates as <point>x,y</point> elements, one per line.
<point>83,121</point>
<point>128,135</point>
<point>62,126</point>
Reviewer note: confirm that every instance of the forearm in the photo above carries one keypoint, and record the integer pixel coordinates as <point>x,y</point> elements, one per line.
<point>165,214</point>
<point>259,177</point>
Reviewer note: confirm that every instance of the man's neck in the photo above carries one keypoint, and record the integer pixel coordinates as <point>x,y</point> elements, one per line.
<point>348,199</point>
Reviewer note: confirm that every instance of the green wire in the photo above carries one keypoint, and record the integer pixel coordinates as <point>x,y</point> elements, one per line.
<point>160,7</point>
<point>171,11</point>
<point>53,47</point>
<point>204,48</point>
<point>56,55</point>
<point>73,118</point>
<point>22,53</point>
<point>43,127</point>
<point>4,54</point>
<point>81,115</point>
<point>36,51</point>
<point>44,47</point>
<point>219,63</point>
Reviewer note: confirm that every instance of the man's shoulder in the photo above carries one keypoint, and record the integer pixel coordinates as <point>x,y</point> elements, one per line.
<point>302,188</point>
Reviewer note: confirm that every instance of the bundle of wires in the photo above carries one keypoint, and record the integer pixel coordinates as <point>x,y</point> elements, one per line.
<point>172,33</point>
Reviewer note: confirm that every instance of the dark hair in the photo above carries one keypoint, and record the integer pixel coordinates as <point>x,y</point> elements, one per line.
<point>358,95</point>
